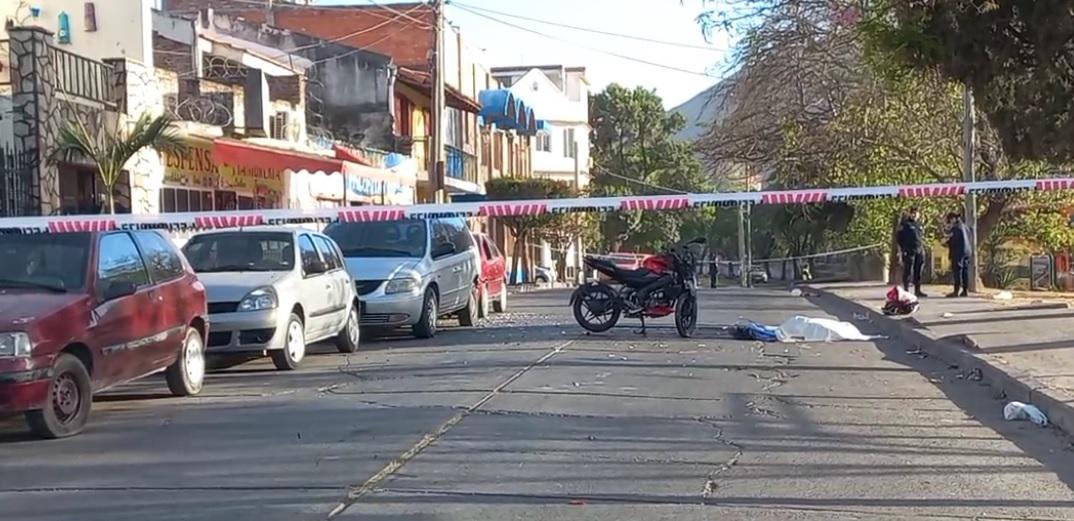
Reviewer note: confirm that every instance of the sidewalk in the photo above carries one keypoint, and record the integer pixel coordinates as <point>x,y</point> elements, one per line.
<point>1024,346</point>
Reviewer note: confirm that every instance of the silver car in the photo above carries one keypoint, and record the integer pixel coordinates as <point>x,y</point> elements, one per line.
<point>274,290</point>
<point>410,272</point>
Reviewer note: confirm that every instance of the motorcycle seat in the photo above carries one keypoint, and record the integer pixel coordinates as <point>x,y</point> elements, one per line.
<point>636,278</point>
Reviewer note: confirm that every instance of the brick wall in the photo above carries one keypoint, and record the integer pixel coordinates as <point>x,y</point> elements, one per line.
<point>406,37</point>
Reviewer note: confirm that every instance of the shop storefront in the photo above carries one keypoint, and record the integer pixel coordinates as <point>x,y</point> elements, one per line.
<point>352,185</point>
<point>225,175</point>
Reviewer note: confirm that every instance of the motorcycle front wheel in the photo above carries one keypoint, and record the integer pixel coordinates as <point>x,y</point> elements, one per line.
<point>596,308</point>
<point>686,315</point>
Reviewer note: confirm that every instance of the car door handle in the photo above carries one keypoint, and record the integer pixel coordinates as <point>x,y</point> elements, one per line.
<point>456,269</point>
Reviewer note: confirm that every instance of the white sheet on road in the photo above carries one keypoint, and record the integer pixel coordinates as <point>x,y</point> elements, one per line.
<point>805,329</point>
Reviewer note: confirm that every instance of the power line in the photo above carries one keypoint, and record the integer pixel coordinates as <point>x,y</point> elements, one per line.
<point>602,171</point>
<point>589,29</point>
<point>594,49</point>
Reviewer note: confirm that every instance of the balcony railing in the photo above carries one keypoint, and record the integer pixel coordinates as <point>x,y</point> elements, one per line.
<point>82,77</point>
<point>460,165</point>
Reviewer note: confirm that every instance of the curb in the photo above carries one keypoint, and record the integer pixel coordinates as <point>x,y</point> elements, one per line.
<point>963,351</point>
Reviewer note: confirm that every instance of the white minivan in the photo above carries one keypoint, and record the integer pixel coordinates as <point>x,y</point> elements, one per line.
<point>410,272</point>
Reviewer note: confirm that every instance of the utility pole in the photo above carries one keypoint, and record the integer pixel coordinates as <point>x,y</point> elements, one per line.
<point>436,143</point>
<point>743,275</point>
<point>749,244</point>
<point>578,268</point>
<point>969,141</point>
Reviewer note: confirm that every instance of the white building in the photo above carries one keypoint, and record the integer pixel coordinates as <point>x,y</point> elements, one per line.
<point>559,96</point>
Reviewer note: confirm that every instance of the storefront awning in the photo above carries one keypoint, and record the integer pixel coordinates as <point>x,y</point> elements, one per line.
<point>502,108</point>
<point>234,152</point>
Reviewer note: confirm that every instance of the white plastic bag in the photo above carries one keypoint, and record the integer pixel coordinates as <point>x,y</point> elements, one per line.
<point>1020,411</point>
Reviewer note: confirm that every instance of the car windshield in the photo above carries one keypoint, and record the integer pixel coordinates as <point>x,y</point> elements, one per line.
<point>380,239</point>
<point>52,262</point>
<point>241,251</point>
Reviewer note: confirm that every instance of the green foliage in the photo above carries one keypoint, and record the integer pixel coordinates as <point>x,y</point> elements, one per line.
<point>634,154</point>
<point>110,151</point>
<point>1015,54</point>
<point>520,189</point>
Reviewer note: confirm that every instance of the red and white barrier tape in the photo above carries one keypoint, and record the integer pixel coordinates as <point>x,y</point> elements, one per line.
<point>234,219</point>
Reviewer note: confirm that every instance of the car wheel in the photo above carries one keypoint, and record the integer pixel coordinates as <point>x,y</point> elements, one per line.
<point>186,376</point>
<point>426,326</point>
<point>541,279</point>
<point>500,304</point>
<point>70,397</point>
<point>483,302</point>
<point>294,347</point>
<point>468,315</point>
<point>347,339</point>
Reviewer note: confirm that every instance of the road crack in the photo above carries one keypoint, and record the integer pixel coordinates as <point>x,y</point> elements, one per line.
<point>710,480</point>
<point>355,492</point>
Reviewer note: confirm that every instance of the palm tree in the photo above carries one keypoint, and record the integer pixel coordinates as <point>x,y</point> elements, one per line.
<point>114,150</point>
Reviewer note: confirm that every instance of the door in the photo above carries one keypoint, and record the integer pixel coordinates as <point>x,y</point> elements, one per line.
<point>125,323</point>
<point>465,264</point>
<point>337,276</point>
<point>445,271</point>
<point>168,292</point>
<point>497,267</point>
<point>316,292</point>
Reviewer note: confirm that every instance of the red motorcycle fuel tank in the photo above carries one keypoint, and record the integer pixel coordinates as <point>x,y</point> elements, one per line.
<point>657,263</point>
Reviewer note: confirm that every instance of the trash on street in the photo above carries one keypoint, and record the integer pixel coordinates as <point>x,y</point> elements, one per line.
<point>1016,411</point>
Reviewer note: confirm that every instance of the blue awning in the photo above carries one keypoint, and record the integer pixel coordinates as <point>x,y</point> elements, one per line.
<point>502,108</point>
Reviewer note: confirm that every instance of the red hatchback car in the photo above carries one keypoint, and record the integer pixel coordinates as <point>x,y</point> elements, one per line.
<point>493,287</point>
<point>82,312</point>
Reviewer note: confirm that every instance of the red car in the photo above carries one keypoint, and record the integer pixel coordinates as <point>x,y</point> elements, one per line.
<point>82,312</point>
<point>493,282</point>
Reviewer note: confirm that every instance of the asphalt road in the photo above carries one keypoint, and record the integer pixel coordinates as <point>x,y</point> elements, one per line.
<point>528,418</point>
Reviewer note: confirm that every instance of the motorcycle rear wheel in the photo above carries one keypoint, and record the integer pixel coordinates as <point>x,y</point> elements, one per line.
<point>607,311</point>
<point>686,315</point>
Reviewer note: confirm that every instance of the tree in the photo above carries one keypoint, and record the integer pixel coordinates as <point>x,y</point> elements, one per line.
<point>1017,55</point>
<point>634,153</point>
<point>525,227</point>
<point>110,152</point>
<point>814,105</point>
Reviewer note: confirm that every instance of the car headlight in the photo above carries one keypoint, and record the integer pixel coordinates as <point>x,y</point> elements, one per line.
<point>15,344</point>
<point>259,299</point>
<point>402,285</point>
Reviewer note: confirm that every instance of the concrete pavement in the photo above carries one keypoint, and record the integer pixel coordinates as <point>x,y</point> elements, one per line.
<point>1024,346</point>
<point>529,418</point>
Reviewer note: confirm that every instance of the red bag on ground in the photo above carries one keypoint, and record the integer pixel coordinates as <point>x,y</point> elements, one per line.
<point>900,302</point>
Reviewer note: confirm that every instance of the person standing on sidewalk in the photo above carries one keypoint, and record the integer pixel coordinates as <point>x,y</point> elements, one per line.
<point>714,270</point>
<point>958,249</point>
<point>911,241</point>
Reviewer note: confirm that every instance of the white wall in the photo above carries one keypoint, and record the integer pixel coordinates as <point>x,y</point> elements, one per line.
<point>562,110</point>
<point>124,27</point>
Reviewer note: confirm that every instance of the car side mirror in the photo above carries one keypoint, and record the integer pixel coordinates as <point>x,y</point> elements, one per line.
<point>117,289</point>
<point>443,249</point>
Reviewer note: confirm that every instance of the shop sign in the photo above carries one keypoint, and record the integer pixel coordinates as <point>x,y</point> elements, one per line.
<point>193,168</point>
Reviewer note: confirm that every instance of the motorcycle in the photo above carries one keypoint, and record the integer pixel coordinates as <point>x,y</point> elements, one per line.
<point>663,285</point>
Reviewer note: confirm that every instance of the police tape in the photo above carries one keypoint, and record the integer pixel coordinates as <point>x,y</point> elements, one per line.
<point>192,221</point>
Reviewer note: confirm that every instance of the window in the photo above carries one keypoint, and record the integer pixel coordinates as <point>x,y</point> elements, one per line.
<point>328,253</point>
<point>119,261</point>
<point>486,250</point>
<point>441,233</point>
<point>405,238</point>
<point>278,126</point>
<point>493,249</point>
<point>51,259</point>
<point>184,200</point>
<point>544,142</point>
<point>568,143</point>
<point>160,257</point>
<point>240,251</point>
<point>309,255</point>
<point>459,235</point>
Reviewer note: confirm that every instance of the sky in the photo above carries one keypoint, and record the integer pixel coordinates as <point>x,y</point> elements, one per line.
<point>668,20</point>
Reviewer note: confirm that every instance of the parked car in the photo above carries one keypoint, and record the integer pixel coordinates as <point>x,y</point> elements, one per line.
<point>275,290</point>
<point>83,312</point>
<point>758,275</point>
<point>544,275</point>
<point>410,272</point>
<point>493,282</point>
